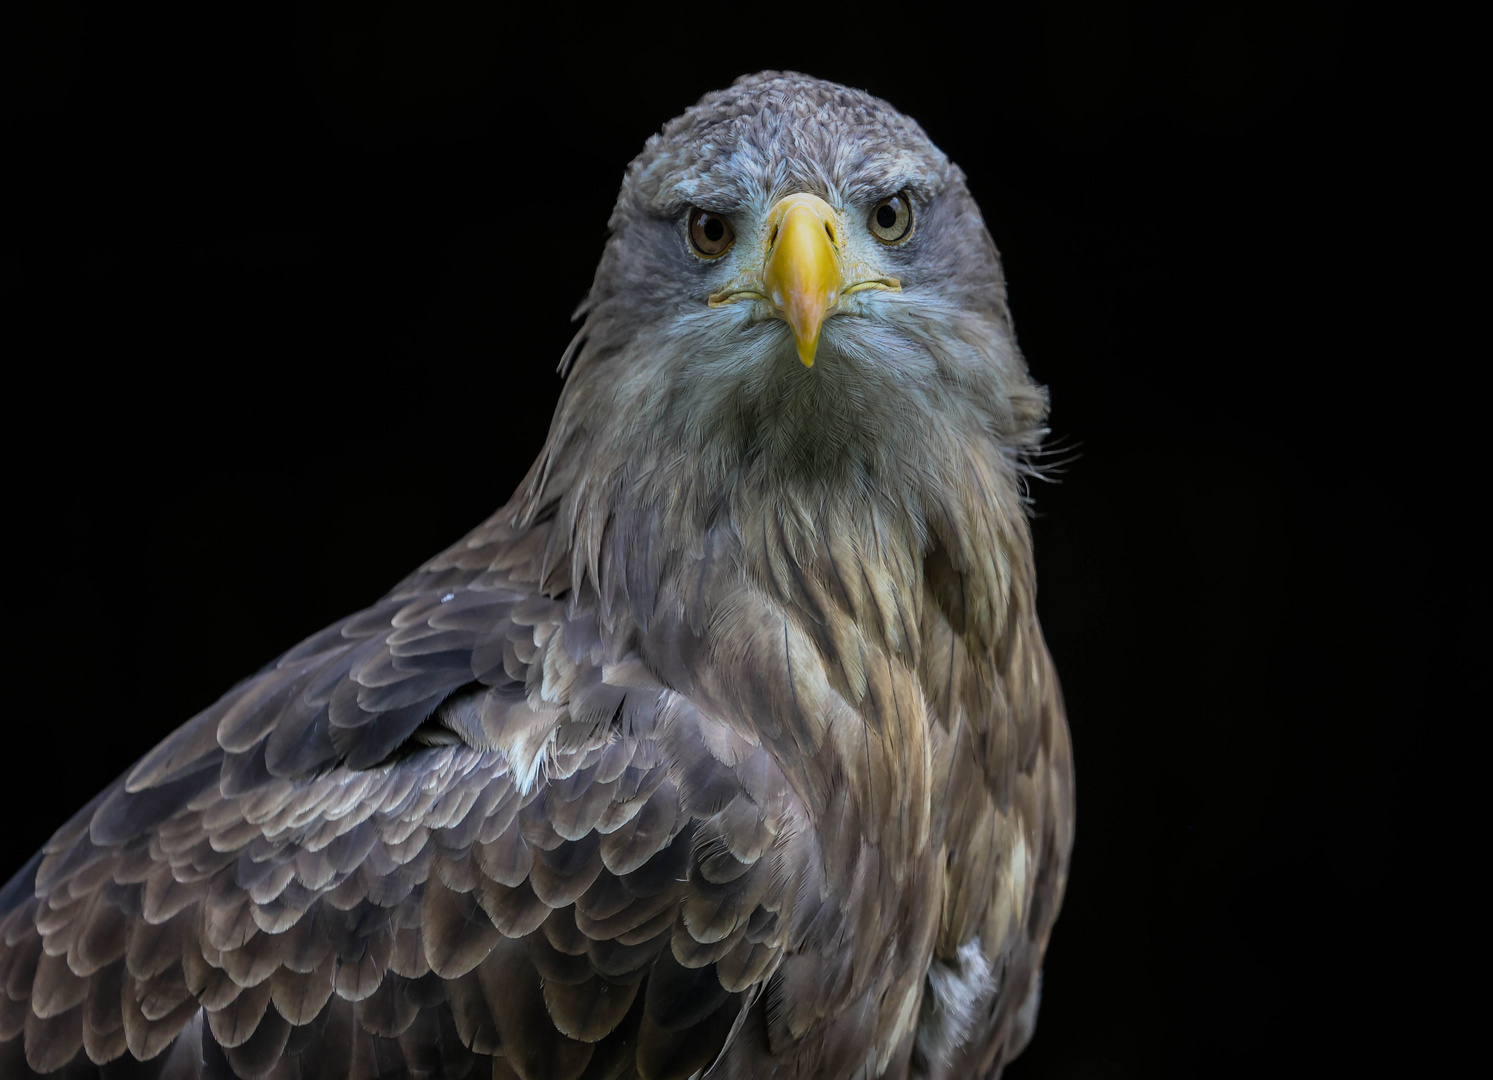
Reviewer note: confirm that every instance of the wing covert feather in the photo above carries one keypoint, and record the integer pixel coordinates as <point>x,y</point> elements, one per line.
<point>436,832</point>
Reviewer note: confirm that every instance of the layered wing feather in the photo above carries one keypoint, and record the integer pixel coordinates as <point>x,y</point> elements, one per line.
<point>449,831</point>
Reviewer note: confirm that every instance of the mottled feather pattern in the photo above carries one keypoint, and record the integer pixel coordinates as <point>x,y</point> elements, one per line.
<point>379,887</point>
<point>729,747</point>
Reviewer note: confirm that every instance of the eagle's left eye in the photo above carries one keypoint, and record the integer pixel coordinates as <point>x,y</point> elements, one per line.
<point>891,219</point>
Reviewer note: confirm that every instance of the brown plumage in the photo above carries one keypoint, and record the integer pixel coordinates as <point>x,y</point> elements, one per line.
<point>729,747</point>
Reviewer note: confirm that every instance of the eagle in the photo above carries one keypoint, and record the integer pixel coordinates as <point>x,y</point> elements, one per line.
<point>729,747</point>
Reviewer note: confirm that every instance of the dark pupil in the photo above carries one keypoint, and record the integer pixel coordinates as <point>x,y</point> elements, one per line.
<point>713,229</point>
<point>886,217</point>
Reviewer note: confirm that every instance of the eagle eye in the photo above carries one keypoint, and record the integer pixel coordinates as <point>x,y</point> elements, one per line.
<point>891,219</point>
<point>709,234</point>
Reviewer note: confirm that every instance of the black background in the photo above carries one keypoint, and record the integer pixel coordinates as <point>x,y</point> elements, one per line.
<point>284,292</point>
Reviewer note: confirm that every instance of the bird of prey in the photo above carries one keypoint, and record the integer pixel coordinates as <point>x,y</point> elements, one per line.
<point>729,747</point>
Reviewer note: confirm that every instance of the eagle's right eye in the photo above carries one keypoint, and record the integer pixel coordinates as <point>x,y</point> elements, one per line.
<point>709,234</point>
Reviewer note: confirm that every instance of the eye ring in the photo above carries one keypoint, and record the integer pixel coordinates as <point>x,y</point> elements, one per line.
<point>710,235</point>
<point>891,219</point>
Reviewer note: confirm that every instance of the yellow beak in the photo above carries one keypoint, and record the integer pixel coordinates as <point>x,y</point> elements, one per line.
<point>803,276</point>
